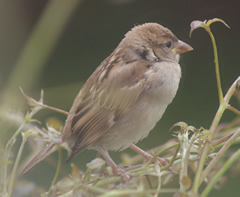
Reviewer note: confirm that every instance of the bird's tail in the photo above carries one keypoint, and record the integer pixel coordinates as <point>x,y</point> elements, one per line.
<point>50,148</point>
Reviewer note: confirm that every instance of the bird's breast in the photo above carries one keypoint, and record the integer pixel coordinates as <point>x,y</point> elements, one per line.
<point>141,119</point>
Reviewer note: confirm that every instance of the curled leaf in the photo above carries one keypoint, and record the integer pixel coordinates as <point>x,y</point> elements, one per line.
<point>209,22</point>
<point>194,25</point>
<point>182,126</point>
<point>191,128</point>
<point>205,24</point>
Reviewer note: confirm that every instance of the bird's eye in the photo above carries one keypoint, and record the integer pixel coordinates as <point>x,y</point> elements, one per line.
<point>168,44</point>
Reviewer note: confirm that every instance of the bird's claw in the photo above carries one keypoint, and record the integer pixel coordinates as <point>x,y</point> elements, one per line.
<point>126,176</point>
<point>159,160</point>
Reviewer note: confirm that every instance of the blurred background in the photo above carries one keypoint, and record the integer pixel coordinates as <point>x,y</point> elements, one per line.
<point>56,45</point>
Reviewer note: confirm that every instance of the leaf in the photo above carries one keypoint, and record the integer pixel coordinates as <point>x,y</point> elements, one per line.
<point>96,164</point>
<point>217,20</point>
<point>182,125</point>
<point>191,128</point>
<point>32,102</point>
<point>205,24</point>
<point>194,25</point>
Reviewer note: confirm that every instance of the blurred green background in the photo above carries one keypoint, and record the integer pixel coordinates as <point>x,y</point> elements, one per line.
<point>56,45</point>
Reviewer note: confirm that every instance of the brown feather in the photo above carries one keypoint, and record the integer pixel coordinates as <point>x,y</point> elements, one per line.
<point>98,107</point>
<point>39,157</point>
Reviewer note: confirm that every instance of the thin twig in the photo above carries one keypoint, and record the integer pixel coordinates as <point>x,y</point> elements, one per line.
<point>234,110</point>
<point>216,177</point>
<point>13,175</point>
<point>54,109</point>
<point>213,163</point>
<point>6,157</point>
<point>59,164</point>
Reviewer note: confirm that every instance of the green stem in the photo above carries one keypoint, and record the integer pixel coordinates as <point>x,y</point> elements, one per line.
<point>184,164</point>
<point>214,180</point>
<point>13,176</point>
<point>6,157</point>
<point>108,180</point>
<point>219,155</point>
<point>57,171</point>
<point>219,86</point>
<point>135,173</point>
<point>147,192</point>
<point>218,143</point>
<point>93,189</point>
<point>223,106</point>
<point>201,163</point>
<point>167,148</point>
<point>173,158</point>
<point>234,110</point>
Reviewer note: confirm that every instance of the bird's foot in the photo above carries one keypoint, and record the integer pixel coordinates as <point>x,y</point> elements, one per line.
<point>115,169</point>
<point>159,160</point>
<point>126,176</point>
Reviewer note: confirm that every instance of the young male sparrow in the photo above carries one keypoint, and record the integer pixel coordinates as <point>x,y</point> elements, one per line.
<point>125,96</point>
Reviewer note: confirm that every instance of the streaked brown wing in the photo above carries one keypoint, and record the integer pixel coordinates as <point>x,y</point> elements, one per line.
<point>103,101</point>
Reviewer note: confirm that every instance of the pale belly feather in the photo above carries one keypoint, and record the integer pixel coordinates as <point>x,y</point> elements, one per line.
<point>142,118</point>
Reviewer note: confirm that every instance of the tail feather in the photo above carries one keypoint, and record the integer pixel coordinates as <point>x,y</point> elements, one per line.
<point>39,157</point>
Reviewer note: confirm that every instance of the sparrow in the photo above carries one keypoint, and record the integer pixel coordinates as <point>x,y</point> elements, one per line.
<point>125,97</point>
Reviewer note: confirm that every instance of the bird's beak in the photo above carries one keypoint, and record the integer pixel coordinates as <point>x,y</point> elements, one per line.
<point>182,47</point>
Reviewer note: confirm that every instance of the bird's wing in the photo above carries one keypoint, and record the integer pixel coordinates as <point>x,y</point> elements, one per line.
<point>107,96</point>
